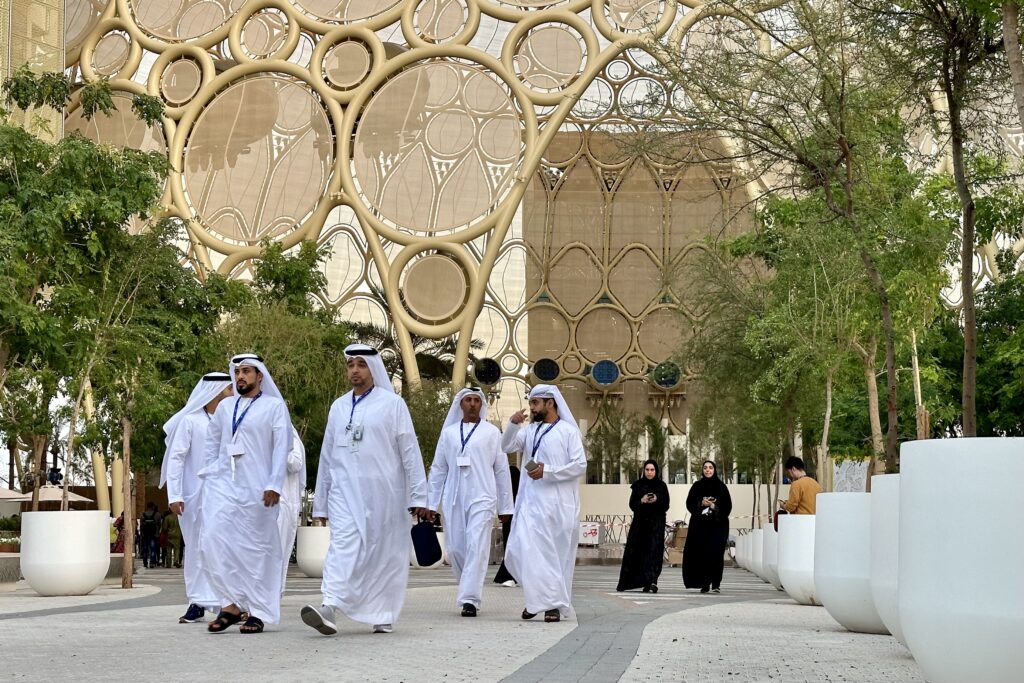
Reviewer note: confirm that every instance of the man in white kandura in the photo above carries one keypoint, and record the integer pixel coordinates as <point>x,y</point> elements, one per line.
<point>370,475</point>
<point>291,501</point>
<point>246,460</point>
<point>541,551</point>
<point>185,456</point>
<point>472,472</point>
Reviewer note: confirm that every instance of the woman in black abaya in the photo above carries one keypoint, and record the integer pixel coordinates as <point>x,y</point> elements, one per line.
<point>645,544</point>
<point>709,505</point>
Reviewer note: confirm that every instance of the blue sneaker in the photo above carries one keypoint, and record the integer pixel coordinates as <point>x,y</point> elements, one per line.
<point>193,614</point>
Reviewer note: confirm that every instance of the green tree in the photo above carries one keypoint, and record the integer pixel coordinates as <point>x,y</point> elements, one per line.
<point>953,46</point>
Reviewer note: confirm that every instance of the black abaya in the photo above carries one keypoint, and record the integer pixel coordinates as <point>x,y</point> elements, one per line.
<point>706,535</point>
<point>645,543</point>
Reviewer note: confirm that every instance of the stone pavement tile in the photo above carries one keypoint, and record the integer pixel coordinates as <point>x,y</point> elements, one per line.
<point>769,640</point>
<point>23,599</point>
<point>431,642</point>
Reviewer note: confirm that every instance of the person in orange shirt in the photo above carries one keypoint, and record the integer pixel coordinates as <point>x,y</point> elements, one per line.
<point>802,489</point>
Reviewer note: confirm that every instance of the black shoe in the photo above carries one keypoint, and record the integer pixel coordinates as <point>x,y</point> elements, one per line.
<point>716,590</point>
<point>468,609</point>
<point>647,589</point>
<point>705,589</point>
<point>193,614</point>
<point>654,588</point>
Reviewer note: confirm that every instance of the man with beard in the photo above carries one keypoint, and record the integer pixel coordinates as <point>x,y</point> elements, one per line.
<point>541,551</point>
<point>246,460</point>
<point>370,473</point>
<point>471,471</point>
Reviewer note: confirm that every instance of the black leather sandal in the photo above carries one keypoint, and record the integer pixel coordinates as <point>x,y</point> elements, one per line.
<point>528,615</point>
<point>223,622</point>
<point>252,625</point>
<point>552,616</point>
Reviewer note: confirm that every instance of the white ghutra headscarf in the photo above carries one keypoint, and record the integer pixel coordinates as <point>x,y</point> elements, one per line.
<point>455,412</point>
<point>206,390</point>
<point>551,391</point>
<point>267,386</point>
<point>374,362</point>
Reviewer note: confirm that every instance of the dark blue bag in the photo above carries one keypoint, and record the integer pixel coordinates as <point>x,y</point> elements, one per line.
<point>425,544</point>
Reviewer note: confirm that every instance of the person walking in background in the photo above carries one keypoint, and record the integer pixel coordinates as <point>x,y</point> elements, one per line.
<point>645,543</point>
<point>471,476</point>
<point>803,490</point>
<point>149,536</point>
<point>184,457</point>
<point>170,530</point>
<point>709,505</point>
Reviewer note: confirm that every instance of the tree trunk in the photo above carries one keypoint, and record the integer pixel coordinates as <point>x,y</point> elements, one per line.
<point>12,453</point>
<point>868,355</point>
<point>99,465</point>
<point>754,511</point>
<point>128,562</point>
<point>116,486</point>
<point>919,409</point>
<point>953,86</point>
<point>39,443</point>
<point>823,466</point>
<point>1011,43</point>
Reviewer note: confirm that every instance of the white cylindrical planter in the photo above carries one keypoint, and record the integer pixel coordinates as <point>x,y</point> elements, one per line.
<point>885,547</point>
<point>961,564</point>
<point>842,561</point>
<point>739,550</point>
<point>756,549</point>
<point>745,548</point>
<point>796,557</point>
<point>311,543</point>
<point>770,556</point>
<point>65,553</point>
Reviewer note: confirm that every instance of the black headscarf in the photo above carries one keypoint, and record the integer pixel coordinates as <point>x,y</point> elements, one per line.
<point>709,486</point>
<point>645,485</point>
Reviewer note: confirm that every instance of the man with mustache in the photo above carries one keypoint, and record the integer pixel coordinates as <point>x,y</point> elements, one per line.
<point>247,449</point>
<point>541,551</point>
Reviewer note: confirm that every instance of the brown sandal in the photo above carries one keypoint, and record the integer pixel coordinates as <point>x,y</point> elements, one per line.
<point>552,616</point>
<point>223,622</point>
<point>528,615</point>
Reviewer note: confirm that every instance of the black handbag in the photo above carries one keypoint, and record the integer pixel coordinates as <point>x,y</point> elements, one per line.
<point>425,544</point>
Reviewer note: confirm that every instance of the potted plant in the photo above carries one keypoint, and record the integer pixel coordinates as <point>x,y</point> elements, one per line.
<point>10,544</point>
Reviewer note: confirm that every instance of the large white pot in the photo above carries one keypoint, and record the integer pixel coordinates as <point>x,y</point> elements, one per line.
<point>741,551</point>
<point>842,561</point>
<point>961,565</point>
<point>65,553</point>
<point>756,549</point>
<point>885,548</point>
<point>311,543</point>
<point>770,556</point>
<point>796,557</point>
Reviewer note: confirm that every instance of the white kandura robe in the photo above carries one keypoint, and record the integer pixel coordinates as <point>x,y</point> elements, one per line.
<point>365,488</point>
<point>291,501</point>
<point>471,492</point>
<point>186,455</point>
<point>541,550</point>
<point>240,543</point>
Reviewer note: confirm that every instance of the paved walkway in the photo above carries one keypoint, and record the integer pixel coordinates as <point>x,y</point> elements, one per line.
<point>748,633</point>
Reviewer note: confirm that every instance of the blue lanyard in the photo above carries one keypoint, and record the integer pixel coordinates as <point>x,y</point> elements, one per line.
<point>236,421</point>
<point>356,401</point>
<point>538,438</point>
<point>465,439</point>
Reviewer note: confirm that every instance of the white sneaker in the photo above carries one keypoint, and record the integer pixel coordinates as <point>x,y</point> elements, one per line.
<point>382,628</point>
<point>319,619</point>
<point>509,584</point>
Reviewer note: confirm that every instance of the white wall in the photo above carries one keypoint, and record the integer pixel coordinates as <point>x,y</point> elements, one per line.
<point>613,499</point>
